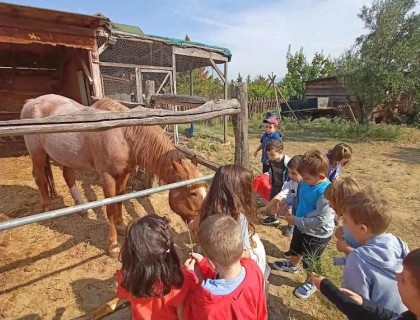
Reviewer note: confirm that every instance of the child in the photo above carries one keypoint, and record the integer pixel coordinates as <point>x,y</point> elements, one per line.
<point>271,126</point>
<point>312,217</point>
<point>288,191</point>
<point>231,193</point>
<point>335,193</point>
<point>232,287</point>
<point>151,278</point>
<point>356,307</point>
<point>370,269</point>
<point>338,157</point>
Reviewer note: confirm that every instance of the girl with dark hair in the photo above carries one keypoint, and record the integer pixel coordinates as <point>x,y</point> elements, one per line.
<point>356,307</point>
<point>231,193</point>
<point>151,278</point>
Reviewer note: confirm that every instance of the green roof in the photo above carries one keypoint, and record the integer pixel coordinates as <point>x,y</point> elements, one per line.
<point>181,43</point>
<point>171,41</point>
<point>127,28</point>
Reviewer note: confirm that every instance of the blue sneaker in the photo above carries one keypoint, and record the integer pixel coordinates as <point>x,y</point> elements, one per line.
<point>305,290</point>
<point>285,265</point>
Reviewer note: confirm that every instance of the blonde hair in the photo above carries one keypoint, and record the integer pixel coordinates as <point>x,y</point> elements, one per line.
<point>368,207</point>
<point>338,190</point>
<point>341,152</point>
<point>220,238</point>
<point>314,163</point>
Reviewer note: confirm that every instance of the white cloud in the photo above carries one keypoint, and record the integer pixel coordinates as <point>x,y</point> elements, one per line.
<point>259,38</point>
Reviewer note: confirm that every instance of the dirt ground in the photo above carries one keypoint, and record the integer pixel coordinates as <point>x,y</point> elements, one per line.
<point>59,269</point>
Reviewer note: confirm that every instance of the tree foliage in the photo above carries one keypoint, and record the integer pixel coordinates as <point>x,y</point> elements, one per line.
<point>384,63</point>
<point>300,70</point>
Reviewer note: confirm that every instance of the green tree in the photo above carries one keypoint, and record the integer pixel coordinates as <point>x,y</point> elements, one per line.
<point>299,70</point>
<point>239,78</point>
<point>259,88</point>
<point>384,63</point>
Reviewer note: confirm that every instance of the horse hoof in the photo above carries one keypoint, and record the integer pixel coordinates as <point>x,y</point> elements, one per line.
<point>114,251</point>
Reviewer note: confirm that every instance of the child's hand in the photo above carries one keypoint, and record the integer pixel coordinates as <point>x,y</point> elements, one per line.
<point>256,153</point>
<point>342,246</point>
<point>316,279</point>
<point>196,256</point>
<point>339,233</point>
<point>358,299</point>
<point>189,264</point>
<point>290,219</point>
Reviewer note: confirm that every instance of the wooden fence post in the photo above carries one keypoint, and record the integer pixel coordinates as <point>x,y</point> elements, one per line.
<point>240,124</point>
<point>149,90</point>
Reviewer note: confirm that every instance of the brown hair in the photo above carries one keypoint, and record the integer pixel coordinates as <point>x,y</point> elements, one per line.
<point>412,262</point>
<point>370,208</point>
<point>341,152</point>
<point>314,163</point>
<point>230,193</point>
<point>220,237</point>
<point>338,190</point>
<point>293,162</point>
<point>275,144</point>
<point>150,264</point>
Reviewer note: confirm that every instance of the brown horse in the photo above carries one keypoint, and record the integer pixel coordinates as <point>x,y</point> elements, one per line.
<point>113,153</point>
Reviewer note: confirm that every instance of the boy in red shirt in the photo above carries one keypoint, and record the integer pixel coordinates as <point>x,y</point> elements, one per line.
<point>231,287</point>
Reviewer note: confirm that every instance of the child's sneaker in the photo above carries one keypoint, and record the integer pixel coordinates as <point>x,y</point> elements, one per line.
<point>270,220</point>
<point>289,231</point>
<point>305,290</point>
<point>285,266</point>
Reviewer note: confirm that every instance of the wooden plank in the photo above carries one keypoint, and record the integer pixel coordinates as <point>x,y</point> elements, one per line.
<point>200,53</point>
<point>240,124</point>
<point>128,65</point>
<point>213,64</point>
<point>188,101</point>
<point>225,96</point>
<point>36,26</point>
<point>27,36</point>
<point>163,82</point>
<point>91,119</point>
<point>96,73</point>
<point>192,155</point>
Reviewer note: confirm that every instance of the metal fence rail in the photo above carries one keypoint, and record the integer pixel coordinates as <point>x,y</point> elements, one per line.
<point>18,222</point>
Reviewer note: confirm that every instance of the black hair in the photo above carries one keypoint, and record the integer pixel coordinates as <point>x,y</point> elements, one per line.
<point>150,264</point>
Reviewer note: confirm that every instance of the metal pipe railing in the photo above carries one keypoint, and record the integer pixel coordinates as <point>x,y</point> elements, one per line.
<point>18,222</point>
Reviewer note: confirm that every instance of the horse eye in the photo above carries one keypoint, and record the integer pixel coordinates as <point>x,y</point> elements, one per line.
<point>192,194</point>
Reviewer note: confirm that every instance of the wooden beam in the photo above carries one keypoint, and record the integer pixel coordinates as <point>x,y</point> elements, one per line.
<point>189,101</point>
<point>91,119</point>
<point>199,53</point>
<point>163,82</point>
<point>213,64</point>
<point>96,73</point>
<point>86,71</point>
<point>129,65</point>
<point>240,124</point>
<point>225,96</point>
<point>192,155</point>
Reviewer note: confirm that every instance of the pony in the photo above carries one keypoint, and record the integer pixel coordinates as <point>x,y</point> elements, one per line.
<point>114,154</point>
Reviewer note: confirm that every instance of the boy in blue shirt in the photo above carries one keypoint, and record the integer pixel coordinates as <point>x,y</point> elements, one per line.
<point>271,126</point>
<point>312,217</point>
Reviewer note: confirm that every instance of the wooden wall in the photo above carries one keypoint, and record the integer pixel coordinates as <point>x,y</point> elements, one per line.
<point>328,88</point>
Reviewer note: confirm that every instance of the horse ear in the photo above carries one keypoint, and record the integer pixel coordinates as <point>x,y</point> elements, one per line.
<point>194,160</point>
<point>180,170</point>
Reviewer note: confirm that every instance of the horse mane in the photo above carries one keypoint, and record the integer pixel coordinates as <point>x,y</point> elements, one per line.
<point>151,148</point>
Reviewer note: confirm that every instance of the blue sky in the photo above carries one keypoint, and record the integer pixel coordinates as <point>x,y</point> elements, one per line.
<point>257,32</point>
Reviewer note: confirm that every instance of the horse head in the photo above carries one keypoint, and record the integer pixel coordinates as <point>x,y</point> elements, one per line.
<point>187,200</point>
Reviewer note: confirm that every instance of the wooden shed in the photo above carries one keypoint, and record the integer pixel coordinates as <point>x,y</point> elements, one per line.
<point>45,51</point>
<point>328,88</point>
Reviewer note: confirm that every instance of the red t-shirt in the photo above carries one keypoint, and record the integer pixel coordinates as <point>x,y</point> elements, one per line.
<point>262,186</point>
<point>246,302</point>
<point>157,308</point>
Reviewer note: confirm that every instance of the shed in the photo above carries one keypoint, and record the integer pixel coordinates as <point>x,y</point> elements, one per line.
<point>329,88</point>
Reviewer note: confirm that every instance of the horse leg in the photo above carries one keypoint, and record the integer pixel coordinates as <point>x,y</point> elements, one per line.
<point>109,186</point>
<point>38,171</point>
<point>120,188</point>
<point>70,177</point>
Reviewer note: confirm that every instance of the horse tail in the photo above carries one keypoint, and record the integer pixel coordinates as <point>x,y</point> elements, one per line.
<point>50,178</point>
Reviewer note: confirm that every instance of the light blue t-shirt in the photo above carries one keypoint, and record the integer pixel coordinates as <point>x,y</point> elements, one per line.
<point>221,287</point>
<point>308,197</point>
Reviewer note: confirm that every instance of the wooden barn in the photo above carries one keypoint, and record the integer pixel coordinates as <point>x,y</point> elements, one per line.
<point>328,90</point>
<point>86,57</point>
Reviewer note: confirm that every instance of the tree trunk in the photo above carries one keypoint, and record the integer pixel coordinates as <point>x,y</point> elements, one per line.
<point>363,114</point>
